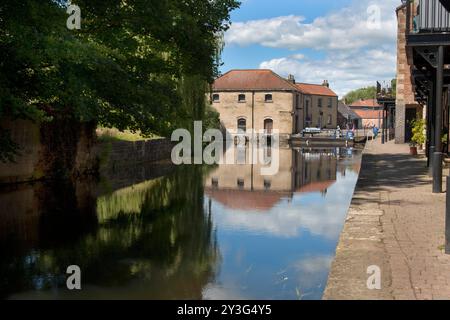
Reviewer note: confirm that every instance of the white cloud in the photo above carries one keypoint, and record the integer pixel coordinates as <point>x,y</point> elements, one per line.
<point>320,218</point>
<point>345,71</point>
<point>298,56</point>
<point>348,28</point>
<point>356,50</point>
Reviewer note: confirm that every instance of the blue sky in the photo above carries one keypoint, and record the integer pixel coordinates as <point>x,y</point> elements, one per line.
<point>350,43</point>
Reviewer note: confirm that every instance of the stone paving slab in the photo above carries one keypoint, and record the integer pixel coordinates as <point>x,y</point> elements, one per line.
<point>397,224</point>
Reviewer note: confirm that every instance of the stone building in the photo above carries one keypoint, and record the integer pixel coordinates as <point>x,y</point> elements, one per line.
<point>320,105</point>
<point>262,100</point>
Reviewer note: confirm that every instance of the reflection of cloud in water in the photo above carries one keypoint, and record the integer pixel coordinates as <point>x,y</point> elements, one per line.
<point>304,278</point>
<point>217,292</point>
<point>311,272</point>
<point>315,264</point>
<point>320,216</point>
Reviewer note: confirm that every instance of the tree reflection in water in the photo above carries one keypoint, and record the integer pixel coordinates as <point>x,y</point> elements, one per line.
<point>154,240</point>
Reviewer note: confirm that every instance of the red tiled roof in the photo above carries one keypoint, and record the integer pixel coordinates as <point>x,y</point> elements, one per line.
<point>369,114</point>
<point>261,79</point>
<point>246,200</point>
<point>315,89</point>
<point>316,187</point>
<point>365,103</point>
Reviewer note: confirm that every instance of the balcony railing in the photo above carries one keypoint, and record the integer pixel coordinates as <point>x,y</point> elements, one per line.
<point>385,90</point>
<point>428,16</point>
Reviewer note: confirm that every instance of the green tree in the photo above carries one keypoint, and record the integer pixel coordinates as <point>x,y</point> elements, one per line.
<point>363,93</point>
<point>137,65</point>
<point>394,87</point>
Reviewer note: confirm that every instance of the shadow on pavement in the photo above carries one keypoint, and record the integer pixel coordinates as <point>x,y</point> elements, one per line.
<point>382,172</point>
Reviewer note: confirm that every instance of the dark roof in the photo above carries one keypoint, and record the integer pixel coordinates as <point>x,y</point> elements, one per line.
<point>315,89</point>
<point>346,112</point>
<point>259,79</point>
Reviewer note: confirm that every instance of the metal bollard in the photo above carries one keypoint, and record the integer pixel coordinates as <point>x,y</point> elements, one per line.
<point>437,172</point>
<point>447,219</point>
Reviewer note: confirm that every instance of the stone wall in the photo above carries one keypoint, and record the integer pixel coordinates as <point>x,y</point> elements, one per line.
<point>27,136</point>
<point>120,154</point>
<point>405,86</point>
<point>47,148</point>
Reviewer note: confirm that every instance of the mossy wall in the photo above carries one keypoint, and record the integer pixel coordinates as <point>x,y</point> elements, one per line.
<point>60,149</point>
<point>69,150</point>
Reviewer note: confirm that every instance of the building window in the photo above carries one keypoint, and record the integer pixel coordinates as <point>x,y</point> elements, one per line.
<point>241,183</point>
<point>268,98</point>
<point>268,126</point>
<point>241,98</point>
<point>242,125</point>
<point>330,103</point>
<point>215,182</point>
<point>267,184</point>
<point>216,97</point>
<point>319,102</point>
<point>330,120</point>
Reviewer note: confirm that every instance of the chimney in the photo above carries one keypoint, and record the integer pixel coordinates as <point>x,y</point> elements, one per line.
<point>291,79</point>
<point>326,83</point>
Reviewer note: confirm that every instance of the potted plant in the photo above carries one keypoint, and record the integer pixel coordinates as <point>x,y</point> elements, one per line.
<point>418,138</point>
<point>413,148</point>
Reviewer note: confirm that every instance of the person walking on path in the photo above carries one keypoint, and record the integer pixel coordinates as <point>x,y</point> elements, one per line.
<point>375,132</point>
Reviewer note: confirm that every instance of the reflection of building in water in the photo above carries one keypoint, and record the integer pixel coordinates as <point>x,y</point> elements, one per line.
<point>243,187</point>
<point>316,170</point>
<point>346,162</point>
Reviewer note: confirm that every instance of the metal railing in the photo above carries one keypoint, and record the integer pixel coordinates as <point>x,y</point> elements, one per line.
<point>427,16</point>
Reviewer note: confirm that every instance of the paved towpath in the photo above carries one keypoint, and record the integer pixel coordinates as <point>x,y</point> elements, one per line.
<point>396,223</point>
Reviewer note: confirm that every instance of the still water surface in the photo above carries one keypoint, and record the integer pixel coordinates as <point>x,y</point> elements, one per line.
<point>160,232</point>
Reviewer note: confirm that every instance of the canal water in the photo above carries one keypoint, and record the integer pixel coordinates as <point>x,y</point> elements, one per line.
<point>192,232</point>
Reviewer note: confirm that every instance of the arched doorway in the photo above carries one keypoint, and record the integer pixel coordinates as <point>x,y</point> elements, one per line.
<point>268,126</point>
<point>242,125</point>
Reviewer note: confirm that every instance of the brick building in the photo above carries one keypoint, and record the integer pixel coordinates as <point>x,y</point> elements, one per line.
<point>369,112</point>
<point>407,108</point>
